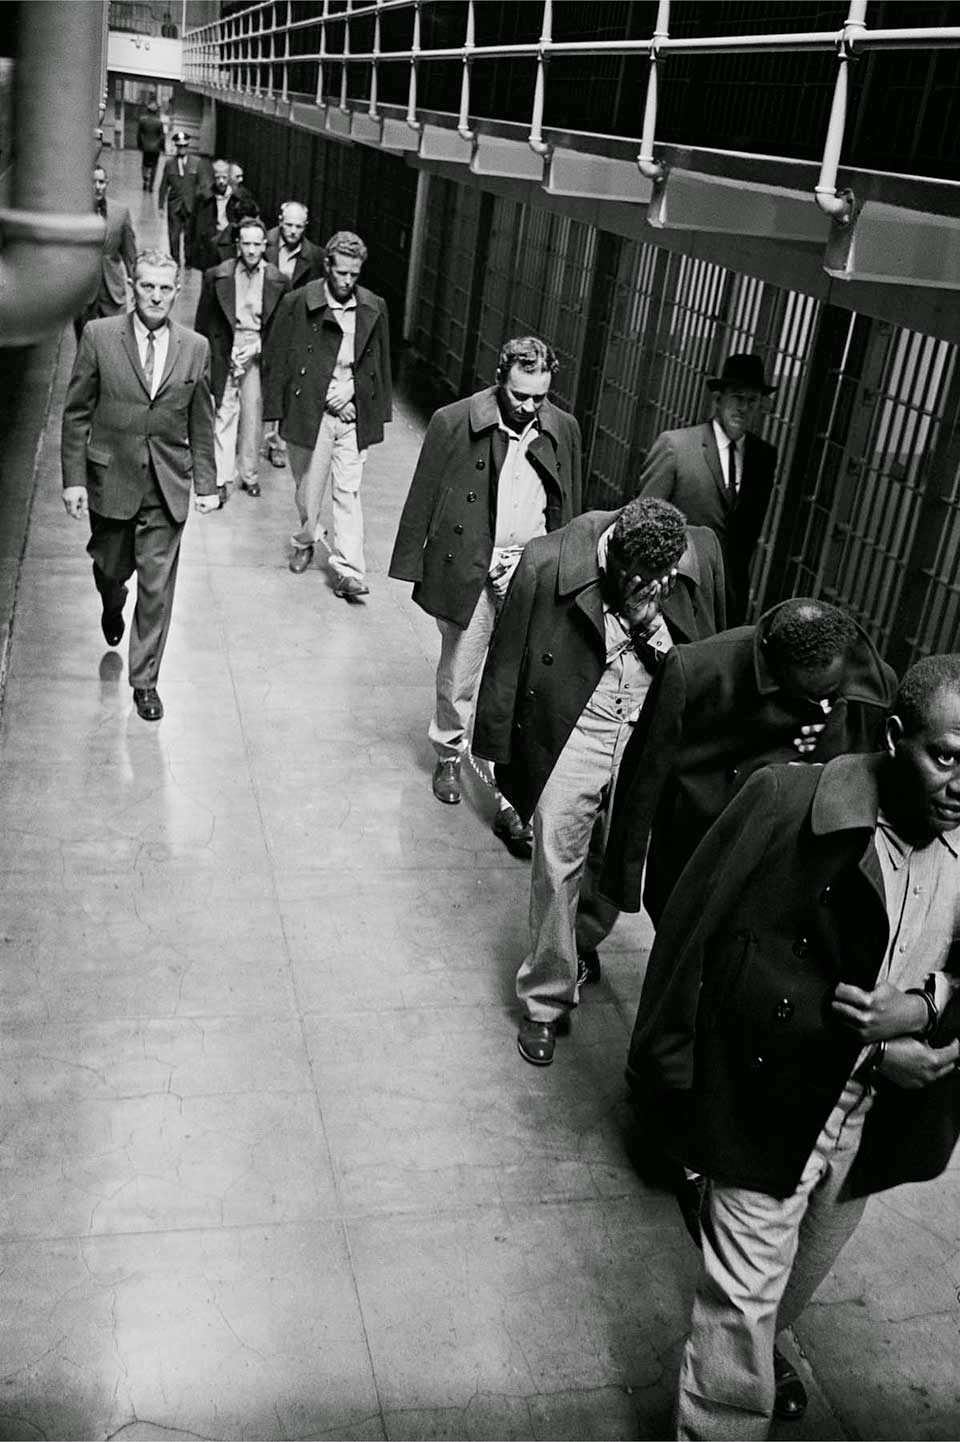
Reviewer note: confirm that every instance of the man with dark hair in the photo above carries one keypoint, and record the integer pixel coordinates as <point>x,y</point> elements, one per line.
<point>137,433</point>
<point>588,617</point>
<point>236,311</point>
<point>118,259</point>
<point>720,474</point>
<point>149,143</point>
<point>179,183</point>
<point>804,684</point>
<point>796,1036</point>
<point>332,392</point>
<point>495,469</point>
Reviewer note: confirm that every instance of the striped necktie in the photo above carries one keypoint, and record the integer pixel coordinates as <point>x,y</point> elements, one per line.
<point>151,357</point>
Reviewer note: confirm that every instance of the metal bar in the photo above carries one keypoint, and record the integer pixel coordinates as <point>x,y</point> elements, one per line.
<point>323,50</point>
<point>374,69</point>
<point>839,207</point>
<point>463,124</point>
<point>647,164</point>
<point>536,141</point>
<point>346,57</point>
<point>412,120</point>
<point>286,53</point>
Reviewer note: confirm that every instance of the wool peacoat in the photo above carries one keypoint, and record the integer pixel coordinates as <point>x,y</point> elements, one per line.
<point>217,319</point>
<point>446,533</point>
<point>684,467</point>
<point>548,650</point>
<point>714,715</point>
<point>306,343</point>
<point>309,263</point>
<point>736,1059</point>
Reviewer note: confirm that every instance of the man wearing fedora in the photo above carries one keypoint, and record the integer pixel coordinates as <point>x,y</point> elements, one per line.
<point>720,474</point>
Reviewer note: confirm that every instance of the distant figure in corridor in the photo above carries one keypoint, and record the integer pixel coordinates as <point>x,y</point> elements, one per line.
<point>331,390</point>
<point>137,431</point>
<point>590,613</point>
<point>804,684</point>
<point>796,1036</point>
<point>118,258</point>
<point>179,183</point>
<point>495,469</point>
<point>150,140</point>
<point>720,474</point>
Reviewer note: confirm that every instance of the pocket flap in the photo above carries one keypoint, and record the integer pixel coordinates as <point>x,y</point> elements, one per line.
<point>98,456</point>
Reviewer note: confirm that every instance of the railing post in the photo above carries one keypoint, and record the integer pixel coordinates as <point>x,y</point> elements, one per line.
<point>323,50</point>
<point>647,164</point>
<point>346,56</point>
<point>463,125</point>
<point>535,139</point>
<point>285,91</point>
<point>839,207</point>
<point>374,71</point>
<point>412,120</point>
<point>271,52</point>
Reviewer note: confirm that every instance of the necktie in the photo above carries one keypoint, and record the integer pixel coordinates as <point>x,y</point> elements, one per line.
<point>151,357</point>
<point>102,208</point>
<point>180,167</point>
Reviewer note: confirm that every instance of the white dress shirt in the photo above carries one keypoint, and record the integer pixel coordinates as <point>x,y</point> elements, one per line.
<point>725,446</point>
<point>341,388</point>
<point>161,345</point>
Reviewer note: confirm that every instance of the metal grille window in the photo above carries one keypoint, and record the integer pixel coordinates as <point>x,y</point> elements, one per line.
<point>440,327</point>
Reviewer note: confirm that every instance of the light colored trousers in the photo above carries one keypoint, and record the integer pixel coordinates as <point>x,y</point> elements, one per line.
<point>462,654</point>
<point>763,1259</point>
<point>237,429</point>
<point>336,463</point>
<point>567,912</point>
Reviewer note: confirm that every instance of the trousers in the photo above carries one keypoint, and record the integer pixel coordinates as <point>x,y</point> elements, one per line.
<point>462,654</point>
<point>337,464</point>
<point>148,544</point>
<point>763,1259</point>
<point>237,428</point>
<point>177,226</point>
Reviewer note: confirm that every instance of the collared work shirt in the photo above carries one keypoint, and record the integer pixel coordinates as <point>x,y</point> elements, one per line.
<point>161,344</point>
<point>341,388</point>
<point>287,259</point>
<point>728,449</point>
<point>922,889</point>
<point>248,294</point>
<point>521,495</point>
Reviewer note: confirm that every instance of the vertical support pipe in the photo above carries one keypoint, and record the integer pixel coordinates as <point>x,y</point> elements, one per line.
<point>412,120</point>
<point>346,56</point>
<point>463,124</point>
<point>372,110</point>
<point>535,139</point>
<point>418,240</point>
<point>323,50</point>
<point>272,50</point>
<point>839,207</point>
<point>646,163</point>
<point>285,93</point>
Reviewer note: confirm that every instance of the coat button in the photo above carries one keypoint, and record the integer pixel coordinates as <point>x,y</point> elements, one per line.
<point>481,465</point>
<point>825,896</point>
<point>471,496</point>
<point>547,658</point>
<point>757,1063</point>
<point>309,350</point>
<point>448,557</point>
<point>784,1010</point>
<point>801,948</point>
<point>297,391</point>
<point>303,370</point>
<point>458,529</point>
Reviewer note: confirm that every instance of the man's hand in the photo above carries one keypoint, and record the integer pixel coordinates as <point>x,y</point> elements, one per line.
<point>75,501</point>
<point>640,606</point>
<point>345,411</point>
<point>808,737</point>
<point>881,1014</point>
<point>207,503</point>
<point>912,1064</point>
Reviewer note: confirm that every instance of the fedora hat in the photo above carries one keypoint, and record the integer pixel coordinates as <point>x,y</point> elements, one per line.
<point>743,369</point>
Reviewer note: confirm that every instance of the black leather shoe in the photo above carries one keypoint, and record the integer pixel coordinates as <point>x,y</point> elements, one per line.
<point>517,838</point>
<point>791,1394</point>
<point>588,968</point>
<point>148,703</point>
<point>112,625</point>
<point>446,781</point>
<point>222,496</point>
<point>536,1041</point>
<point>300,560</point>
<point>349,588</point>
<point>253,489</point>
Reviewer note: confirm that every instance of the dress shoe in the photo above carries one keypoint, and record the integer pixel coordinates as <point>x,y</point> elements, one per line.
<point>446,781</point>
<point>148,703</point>
<point>517,838</point>
<point>253,489</point>
<point>300,560</point>
<point>791,1395</point>
<point>536,1041</point>
<point>588,967</point>
<point>112,625</point>
<point>223,496</point>
<point>277,457</point>
<point>348,588</point>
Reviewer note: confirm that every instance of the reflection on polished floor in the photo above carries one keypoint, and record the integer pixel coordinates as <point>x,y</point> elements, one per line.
<point>272,1167</point>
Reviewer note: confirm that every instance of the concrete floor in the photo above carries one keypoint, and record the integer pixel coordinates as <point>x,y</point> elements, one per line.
<point>272,1167</point>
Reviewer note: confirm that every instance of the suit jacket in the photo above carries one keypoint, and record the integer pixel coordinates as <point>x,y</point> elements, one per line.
<point>306,345</point>
<point>684,467</point>
<point>736,1057</point>
<point>150,134</point>
<point>445,537</point>
<point>714,715</point>
<point>179,191</point>
<point>309,262</point>
<point>113,433</point>
<point>548,650</point>
<point>118,260</point>
<point>217,319</point>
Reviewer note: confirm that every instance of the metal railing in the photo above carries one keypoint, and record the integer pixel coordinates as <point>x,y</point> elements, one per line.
<point>250,53</point>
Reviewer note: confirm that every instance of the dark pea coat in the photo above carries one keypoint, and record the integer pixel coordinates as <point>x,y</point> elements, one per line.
<point>306,343</point>
<point>684,467</point>
<point>309,263</point>
<point>445,537</point>
<point>217,319</point>
<point>548,650</point>
<point>714,715</point>
<point>736,1060</point>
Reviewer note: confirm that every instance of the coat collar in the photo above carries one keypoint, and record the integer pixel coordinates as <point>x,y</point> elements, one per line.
<point>485,414</point>
<point>847,797</point>
<point>866,680</point>
<point>315,299</point>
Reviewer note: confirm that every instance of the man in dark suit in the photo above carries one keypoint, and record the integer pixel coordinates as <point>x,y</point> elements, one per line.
<point>720,474</point>
<point>178,190</point>
<point>137,432</point>
<point>216,217</point>
<point>804,684</point>
<point>236,311</point>
<point>590,612</point>
<point>118,257</point>
<point>331,389</point>
<point>299,260</point>
<point>495,469</point>
<point>796,1036</point>
<point>150,143</point>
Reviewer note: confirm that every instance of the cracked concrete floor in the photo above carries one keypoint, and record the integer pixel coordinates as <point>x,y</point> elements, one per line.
<point>271,1165</point>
